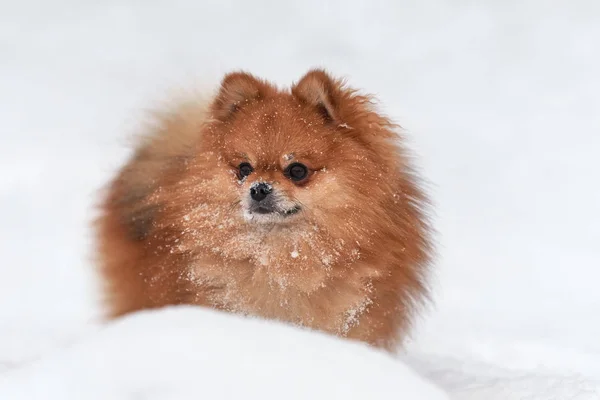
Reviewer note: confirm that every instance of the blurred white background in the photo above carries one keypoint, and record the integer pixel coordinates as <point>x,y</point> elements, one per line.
<point>500,101</point>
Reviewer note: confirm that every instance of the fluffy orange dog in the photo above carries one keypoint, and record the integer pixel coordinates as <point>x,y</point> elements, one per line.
<point>294,205</point>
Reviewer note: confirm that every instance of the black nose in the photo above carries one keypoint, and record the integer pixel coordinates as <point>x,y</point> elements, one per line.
<point>260,191</point>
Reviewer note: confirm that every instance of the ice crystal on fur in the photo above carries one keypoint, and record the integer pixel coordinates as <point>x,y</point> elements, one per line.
<point>352,316</point>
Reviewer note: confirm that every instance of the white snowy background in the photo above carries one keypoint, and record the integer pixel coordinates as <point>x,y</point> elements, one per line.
<point>501,102</point>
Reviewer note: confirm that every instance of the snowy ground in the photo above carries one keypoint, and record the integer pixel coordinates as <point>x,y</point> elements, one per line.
<point>502,102</point>
<point>189,353</point>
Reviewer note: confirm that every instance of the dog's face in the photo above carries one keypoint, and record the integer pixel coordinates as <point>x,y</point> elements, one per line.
<point>284,161</point>
<point>291,159</point>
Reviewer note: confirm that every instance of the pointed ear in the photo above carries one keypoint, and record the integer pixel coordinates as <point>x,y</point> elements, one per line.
<point>319,90</point>
<point>237,89</point>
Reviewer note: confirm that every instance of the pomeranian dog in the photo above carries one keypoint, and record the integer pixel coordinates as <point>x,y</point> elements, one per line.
<point>296,205</point>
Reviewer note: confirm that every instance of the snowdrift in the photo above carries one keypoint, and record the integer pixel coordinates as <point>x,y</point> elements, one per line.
<point>186,352</point>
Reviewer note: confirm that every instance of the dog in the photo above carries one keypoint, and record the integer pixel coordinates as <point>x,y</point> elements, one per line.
<point>299,205</point>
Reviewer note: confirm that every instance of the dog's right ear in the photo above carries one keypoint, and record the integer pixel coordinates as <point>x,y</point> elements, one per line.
<point>237,89</point>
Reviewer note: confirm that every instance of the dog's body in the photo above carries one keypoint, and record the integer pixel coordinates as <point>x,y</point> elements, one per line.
<point>298,206</point>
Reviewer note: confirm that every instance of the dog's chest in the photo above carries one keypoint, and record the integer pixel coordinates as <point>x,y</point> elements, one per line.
<point>307,298</point>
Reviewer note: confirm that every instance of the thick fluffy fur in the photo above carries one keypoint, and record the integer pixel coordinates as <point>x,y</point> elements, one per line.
<point>174,226</point>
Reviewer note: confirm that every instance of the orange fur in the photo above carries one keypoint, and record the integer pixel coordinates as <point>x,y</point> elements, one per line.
<point>352,262</point>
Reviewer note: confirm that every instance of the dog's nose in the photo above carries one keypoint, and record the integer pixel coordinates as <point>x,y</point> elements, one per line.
<point>260,191</point>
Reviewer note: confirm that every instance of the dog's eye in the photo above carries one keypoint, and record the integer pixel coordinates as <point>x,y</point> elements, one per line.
<point>296,172</point>
<point>245,169</point>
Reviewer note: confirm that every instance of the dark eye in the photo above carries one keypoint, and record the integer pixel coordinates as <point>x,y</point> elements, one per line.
<point>245,169</point>
<point>296,172</point>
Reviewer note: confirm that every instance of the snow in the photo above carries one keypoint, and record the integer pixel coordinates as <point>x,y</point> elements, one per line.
<point>500,101</point>
<point>184,353</point>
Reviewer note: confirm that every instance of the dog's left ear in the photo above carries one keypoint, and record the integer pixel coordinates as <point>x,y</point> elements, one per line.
<point>319,90</point>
